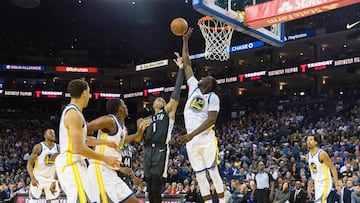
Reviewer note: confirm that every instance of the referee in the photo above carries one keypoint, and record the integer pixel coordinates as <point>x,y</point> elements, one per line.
<point>264,184</point>
<point>156,139</point>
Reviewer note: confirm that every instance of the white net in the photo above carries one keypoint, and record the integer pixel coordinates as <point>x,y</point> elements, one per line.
<point>217,37</point>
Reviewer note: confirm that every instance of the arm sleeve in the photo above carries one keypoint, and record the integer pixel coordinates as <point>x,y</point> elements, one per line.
<point>179,80</point>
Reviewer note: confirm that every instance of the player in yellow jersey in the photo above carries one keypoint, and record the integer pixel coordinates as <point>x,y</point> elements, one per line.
<point>200,114</point>
<point>112,128</point>
<point>70,164</point>
<point>320,166</point>
<point>41,169</point>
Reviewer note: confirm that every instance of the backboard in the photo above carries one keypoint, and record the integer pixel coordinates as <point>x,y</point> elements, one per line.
<point>232,14</point>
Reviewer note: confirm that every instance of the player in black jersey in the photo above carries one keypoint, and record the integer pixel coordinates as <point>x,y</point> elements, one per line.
<point>157,136</point>
<point>126,161</point>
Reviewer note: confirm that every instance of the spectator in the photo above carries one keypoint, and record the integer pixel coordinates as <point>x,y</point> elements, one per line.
<point>10,192</point>
<point>346,170</point>
<point>298,195</point>
<point>283,195</point>
<point>227,194</point>
<point>343,194</point>
<point>214,196</point>
<point>355,196</point>
<point>3,194</point>
<point>240,195</point>
<point>350,185</point>
<point>172,190</point>
<point>180,189</point>
<point>192,194</point>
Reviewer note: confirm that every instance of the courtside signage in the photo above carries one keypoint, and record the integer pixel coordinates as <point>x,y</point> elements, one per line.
<point>243,77</point>
<point>240,47</point>
<point>252,76</point>
<point>17,93</point>
<point>133,94</point>
<point>97,95</point>
<point>48,94</point>
<point>71,69</point>
<point>321,65</point>
<point>154,64</point>
<point>23,67</point>
<point>347,61</point>
<point>251,45</point>
<point>301,35</point>
<point>283,71</point>
<point>280,11</point>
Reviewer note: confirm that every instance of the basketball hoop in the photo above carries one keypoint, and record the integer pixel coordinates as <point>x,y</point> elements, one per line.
<point>217,37</point>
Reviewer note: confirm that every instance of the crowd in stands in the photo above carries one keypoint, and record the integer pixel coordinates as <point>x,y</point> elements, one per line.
<point>274,136</point>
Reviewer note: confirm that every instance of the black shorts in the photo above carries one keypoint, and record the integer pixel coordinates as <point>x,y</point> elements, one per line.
<point>155,160</point>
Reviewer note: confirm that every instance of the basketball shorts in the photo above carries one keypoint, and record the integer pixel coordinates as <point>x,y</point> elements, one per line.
<point>109,184</point>
<point>156,160</point>
<point>75,181</point>
<point>44,184</point>
<point>203,151</point>
<point>322,190</point>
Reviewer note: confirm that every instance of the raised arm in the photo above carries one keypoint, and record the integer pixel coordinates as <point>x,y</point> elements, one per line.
<point>172,105</point>
<point>30,164</point>
<point>186,56</point>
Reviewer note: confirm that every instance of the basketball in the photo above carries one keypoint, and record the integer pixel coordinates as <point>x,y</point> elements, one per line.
<point>178,26</point>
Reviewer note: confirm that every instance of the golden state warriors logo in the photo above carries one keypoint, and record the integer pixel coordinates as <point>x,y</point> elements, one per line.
<point>313,167</point>
<point>197,103</point>
<point>121,143</point>
<point>49,160</point>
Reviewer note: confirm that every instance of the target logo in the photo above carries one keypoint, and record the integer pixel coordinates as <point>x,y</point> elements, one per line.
<point>285,7</point>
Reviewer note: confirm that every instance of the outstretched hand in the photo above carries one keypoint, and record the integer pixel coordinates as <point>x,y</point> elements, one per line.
<point>187,34</point>
<point>178,61</point>
<point>144,124</point>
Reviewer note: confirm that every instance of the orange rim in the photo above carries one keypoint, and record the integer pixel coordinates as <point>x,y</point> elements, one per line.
<point>208,18</point>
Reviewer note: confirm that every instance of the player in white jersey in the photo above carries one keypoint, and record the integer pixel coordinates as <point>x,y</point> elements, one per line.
<point>41,169</point>
<point>112,128</point>
<point>200,114</point>
<point>320,166</point>
<point>70,163</point>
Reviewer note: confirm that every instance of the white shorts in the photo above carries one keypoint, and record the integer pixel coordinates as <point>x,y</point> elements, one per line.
<point>322,190</point>
<point>44,184</point>
<point>109,184</point>
<point>203,151</point>
<point>75,181</point>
